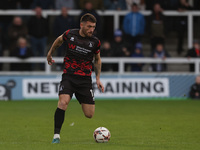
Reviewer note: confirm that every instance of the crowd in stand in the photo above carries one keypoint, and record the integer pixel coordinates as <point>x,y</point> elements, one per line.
<point>29,36</point>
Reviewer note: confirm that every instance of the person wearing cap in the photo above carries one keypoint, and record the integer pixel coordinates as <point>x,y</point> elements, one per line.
<point>119,46</point>
<point>137,67</point>
<point>194,52</point>
<point>134,25</point>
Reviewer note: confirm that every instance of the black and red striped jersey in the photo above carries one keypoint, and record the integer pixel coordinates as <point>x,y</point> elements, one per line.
<point>79,52</point>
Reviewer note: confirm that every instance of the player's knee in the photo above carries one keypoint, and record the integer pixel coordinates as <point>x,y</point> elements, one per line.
<point>89,116</point>
<point>63,104</point>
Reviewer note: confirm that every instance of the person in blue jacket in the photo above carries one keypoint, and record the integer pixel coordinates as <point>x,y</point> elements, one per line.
<point>134,25</point>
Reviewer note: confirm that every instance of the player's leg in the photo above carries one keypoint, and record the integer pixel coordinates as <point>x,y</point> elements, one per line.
<point>59,116</point>
<point>85,97</point>
<point>88,110</point>
<point>65,95</point>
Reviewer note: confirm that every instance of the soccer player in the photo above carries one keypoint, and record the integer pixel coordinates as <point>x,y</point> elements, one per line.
<point>81,48</point>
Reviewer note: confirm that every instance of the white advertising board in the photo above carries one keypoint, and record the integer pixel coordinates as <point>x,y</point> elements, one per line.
<point>134,87</point>
<point>114,87</point>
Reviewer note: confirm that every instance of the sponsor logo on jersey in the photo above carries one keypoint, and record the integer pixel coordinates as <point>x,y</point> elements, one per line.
<point>82,50</point>
<point>71,46</point>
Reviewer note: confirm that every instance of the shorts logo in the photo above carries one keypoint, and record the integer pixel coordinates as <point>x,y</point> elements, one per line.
<point>90,45</point>
<point>91,91</point>
<point>61,88</point>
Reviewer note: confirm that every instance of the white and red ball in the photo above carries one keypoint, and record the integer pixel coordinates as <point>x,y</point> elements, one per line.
<point>101,135</point>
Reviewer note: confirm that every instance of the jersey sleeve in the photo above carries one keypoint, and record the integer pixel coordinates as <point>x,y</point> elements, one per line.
<point>97,50</point>
<point>65,35</point>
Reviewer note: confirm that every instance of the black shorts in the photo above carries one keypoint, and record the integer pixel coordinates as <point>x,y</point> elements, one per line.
<point>81,86</point>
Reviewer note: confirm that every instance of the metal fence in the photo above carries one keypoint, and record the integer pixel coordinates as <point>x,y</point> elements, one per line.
<point>120,61</point>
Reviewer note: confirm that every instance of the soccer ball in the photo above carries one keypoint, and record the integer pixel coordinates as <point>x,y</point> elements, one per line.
<point>101,135</point>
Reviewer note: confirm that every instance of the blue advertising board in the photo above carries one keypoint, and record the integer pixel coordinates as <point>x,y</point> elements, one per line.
<point>16,87</point>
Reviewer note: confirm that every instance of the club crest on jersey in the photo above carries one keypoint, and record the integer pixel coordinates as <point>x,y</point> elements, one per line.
<point>72,39</point>
<point>90,45</point>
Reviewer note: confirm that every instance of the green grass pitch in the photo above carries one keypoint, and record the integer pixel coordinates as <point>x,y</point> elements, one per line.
<point>134,125</point>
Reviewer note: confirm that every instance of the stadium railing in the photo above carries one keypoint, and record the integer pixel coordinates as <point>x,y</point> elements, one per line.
<point>116,16</point>
<point>109,60</point>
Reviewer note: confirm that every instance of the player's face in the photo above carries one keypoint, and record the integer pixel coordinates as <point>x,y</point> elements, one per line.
<point>88,28</point>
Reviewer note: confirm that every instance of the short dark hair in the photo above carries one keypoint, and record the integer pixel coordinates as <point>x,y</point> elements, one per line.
<point>88,17</point>
<point>134,4</point>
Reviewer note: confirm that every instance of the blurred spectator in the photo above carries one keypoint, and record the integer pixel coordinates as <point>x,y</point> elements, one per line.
<point>159,52</point>
<point>156,26</point>
<point>24,4</point>
<point>149,4</point>
<point>97,4</point>
<point>115,4</point>
<point>62,23</point>
<point>16,29</point>
<point>133,25</point>
<point>44,4</point>
<point>89,9</point>
<point>1,39</point>
<point>108,20</point>
<point>38,30</point>
<point>6,20</point>
<point>183,5</point>
<point>165,4</point>
<point>21,51</point>
<point>174,4</point>
<point>181,26</point>
<point>193,53</point>
<point>137,67</point>
<point>120,47</point>
<point>1,49</point>
<point>196,5</point>
<point>195,89</point>
<point>140,3</point>
<point>106,51</point>
<point>69,4</point>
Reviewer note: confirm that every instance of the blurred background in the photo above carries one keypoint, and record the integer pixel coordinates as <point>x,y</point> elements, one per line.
<point>149,48</point>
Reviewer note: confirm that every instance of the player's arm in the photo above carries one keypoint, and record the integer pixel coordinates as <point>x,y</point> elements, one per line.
<point>97,69</point>
<point>57,43</point>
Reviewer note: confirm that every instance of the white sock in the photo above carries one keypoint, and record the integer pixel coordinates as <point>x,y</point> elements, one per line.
<point>56,136</point>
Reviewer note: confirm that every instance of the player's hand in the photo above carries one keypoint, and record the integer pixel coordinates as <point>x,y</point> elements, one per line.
<point>50,60</point>
<point>100,85</point>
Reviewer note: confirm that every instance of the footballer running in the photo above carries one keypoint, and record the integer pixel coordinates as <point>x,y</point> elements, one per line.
<point>81,47</point>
